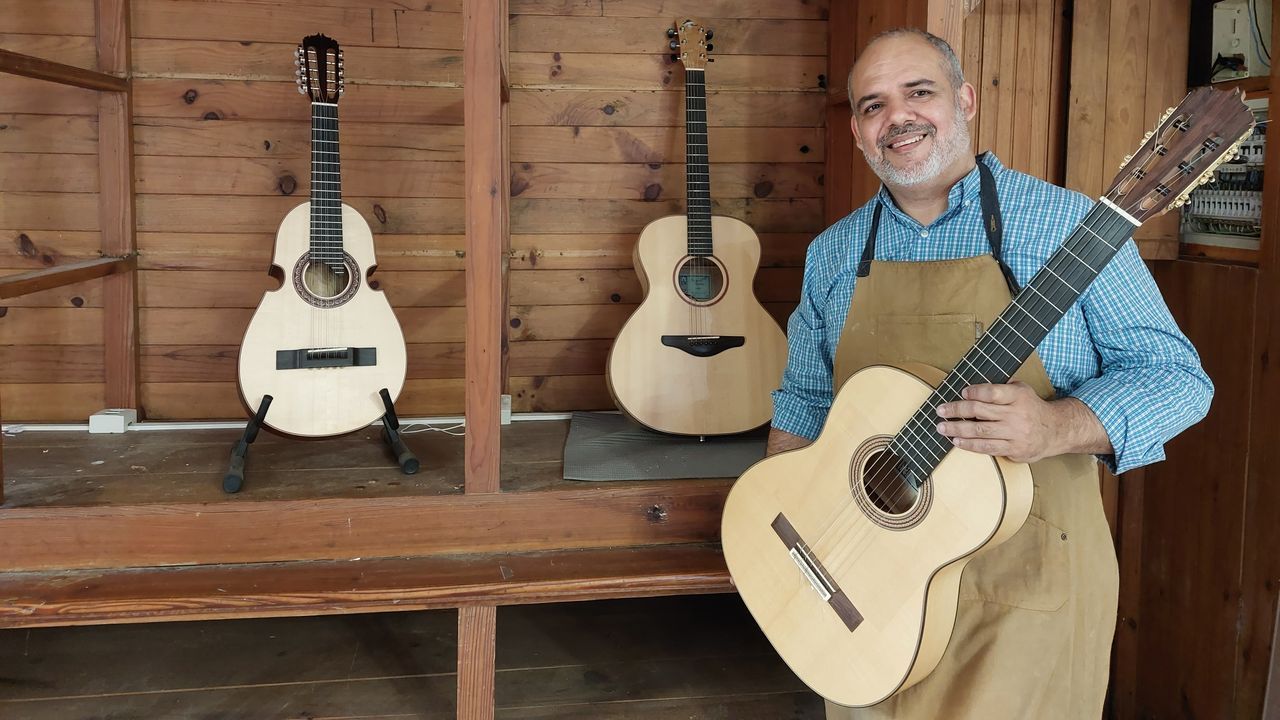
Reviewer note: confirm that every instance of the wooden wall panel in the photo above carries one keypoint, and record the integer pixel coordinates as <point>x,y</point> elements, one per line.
<point>223,153</point>
<point>597,152</point>
<point>1128,61</point>
<point>1190,539</point>
<point>50,342</point>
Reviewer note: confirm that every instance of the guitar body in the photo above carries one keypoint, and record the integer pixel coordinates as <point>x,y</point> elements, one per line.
<point>691,386</point>
<point>899,571</point>
<point>322,401</point>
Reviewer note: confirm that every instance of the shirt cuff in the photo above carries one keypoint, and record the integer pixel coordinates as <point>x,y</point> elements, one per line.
<point>795,416</point>
<point>1108,401</point>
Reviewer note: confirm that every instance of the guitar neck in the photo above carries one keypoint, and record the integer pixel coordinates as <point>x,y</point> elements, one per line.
<point>697,169</point>
<point>1015,333</point>
<point>326,186</point>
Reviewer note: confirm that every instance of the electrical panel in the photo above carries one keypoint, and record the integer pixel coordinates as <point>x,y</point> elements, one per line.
<point>1227,211</point>
<point>1240,43</point>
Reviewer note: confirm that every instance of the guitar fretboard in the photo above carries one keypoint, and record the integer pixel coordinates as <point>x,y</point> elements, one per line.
<point>697,169</point>
<point>1014,335</point>
<point>326,186</point>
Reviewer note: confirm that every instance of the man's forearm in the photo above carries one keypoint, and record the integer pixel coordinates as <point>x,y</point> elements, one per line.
<point>780,440</point>
<point>1081,431</point>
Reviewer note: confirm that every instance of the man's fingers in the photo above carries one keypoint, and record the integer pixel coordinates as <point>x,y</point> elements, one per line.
<point>972,430</point>
<point>970,409</point>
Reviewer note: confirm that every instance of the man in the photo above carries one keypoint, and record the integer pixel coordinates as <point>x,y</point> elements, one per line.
<point>911,277</point>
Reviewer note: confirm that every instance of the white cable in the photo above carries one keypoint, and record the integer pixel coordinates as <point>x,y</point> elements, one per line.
<point>453,421</point>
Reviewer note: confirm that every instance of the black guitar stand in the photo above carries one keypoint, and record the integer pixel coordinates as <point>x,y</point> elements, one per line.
<point>234,479</point>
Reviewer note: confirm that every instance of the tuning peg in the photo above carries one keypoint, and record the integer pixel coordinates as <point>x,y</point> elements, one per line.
<point>1125,162</point>
<point>671,32</point>
<point>301,90</point>
<point>710,34</point>
<point>710,47</point>
<point>675,58</point>
<point>674,44</point>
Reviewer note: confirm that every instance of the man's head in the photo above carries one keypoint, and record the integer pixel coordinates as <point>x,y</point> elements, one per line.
<point>911,108</point>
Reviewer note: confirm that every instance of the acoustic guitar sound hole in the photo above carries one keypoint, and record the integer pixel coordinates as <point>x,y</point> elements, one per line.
<point>326,284</point>
<point>326,281</point>
<point>886,482</point>
<point>700,279</point>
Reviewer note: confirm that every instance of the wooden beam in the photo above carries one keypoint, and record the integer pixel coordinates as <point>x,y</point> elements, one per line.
<point>19,284</point>
<point>1258,587</point>
<point>477,652</point>
<point>216,592</point>
<point>488,200</point>
<point>116,209</point>
<point>33,67</point>
<point>842,31</point>
<point>595,516</point>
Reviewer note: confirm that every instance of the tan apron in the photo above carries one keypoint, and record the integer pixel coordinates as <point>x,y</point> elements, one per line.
<point>1033,632</point>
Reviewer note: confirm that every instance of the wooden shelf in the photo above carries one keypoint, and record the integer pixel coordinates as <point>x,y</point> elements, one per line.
<point>1217,253</point>
<point>1252,86</point>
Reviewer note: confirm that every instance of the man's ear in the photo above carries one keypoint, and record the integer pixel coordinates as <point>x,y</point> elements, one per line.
<point>857,135</point>
<point>968,97</point>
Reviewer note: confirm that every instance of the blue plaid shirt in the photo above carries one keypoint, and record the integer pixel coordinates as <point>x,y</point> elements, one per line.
<point>1117,349</point>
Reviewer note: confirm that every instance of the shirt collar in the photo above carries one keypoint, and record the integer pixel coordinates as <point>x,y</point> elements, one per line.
<point>969,188</point>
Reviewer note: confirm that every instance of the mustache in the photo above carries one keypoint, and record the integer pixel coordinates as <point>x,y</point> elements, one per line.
<point>898,131</point>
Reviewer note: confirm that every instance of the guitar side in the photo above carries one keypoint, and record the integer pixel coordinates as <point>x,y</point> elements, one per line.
<point>317,402</point>
<point>671,390</point>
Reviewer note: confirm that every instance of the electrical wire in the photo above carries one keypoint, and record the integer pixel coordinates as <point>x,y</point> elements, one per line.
<point>1255,30</point>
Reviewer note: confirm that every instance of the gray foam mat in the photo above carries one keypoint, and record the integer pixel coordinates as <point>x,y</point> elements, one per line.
<point>611,446</point>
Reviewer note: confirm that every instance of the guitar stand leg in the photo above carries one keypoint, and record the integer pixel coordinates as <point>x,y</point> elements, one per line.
<point>391,435</point>
<point>234,479</point>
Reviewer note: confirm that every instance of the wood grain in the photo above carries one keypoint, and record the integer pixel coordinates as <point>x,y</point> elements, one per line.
<point>477,650</point>
<point>308,588</point>
<point>663,108</point>
<point>488,226</point>
<point>47,70</point>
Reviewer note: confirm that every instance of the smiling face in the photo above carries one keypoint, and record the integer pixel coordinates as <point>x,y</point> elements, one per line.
<point>910,122</point>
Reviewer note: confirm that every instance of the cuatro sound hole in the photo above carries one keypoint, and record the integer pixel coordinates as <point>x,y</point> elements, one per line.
<point>326,281</point>
<point>887,483</point>
<point>700,279</point>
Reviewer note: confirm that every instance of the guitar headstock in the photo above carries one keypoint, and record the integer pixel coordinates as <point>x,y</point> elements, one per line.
<point>319,61</point>
<point>1188,143</point>
<point>691,42</point>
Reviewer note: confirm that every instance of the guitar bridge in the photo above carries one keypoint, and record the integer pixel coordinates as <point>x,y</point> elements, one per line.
<point>816,574</point>
<point>308,358</point>
<point>703,345</point>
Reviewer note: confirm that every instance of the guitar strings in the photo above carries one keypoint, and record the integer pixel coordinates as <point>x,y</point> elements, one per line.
<point>916,438</point>
<point>1031,302</point>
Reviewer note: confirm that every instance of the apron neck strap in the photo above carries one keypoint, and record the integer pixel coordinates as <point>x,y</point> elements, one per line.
<point>991,223</point>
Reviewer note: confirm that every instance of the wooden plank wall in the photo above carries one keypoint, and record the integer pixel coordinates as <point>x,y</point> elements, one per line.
<point>597,146</point>
<point>222,155</point>
<point>1128,65</point>
<point>221,143</point>
<point>51,352</point>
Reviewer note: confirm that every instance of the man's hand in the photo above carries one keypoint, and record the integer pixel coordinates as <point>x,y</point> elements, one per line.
<point>1012,421</point>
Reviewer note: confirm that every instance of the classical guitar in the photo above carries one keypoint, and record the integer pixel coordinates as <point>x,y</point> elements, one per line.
<point>700,355</point>
<point>324,344</point>
<point>848,552</point>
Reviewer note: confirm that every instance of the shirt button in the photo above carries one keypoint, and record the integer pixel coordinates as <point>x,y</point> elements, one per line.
<point>965,203</point>
<point>924,233</point>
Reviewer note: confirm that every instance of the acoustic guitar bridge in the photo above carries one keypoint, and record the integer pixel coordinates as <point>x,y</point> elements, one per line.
<point>818,577</point>
<point>307,358</point>
<point>703,345</point>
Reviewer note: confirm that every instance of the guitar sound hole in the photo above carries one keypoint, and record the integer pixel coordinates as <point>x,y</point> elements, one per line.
<point>887,482</point>
<point>326,281</point>
<point>700,279</point>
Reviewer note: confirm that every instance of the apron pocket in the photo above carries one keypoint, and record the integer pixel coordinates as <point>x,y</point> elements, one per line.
<point>1031,570</point>
<point>917,338</point>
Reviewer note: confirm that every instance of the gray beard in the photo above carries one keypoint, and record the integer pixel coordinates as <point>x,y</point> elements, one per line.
<point>945,151</point>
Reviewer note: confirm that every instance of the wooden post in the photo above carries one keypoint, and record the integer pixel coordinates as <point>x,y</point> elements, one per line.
<point>484,24</point>
<point>477,634</point>
<point>116,208</point>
